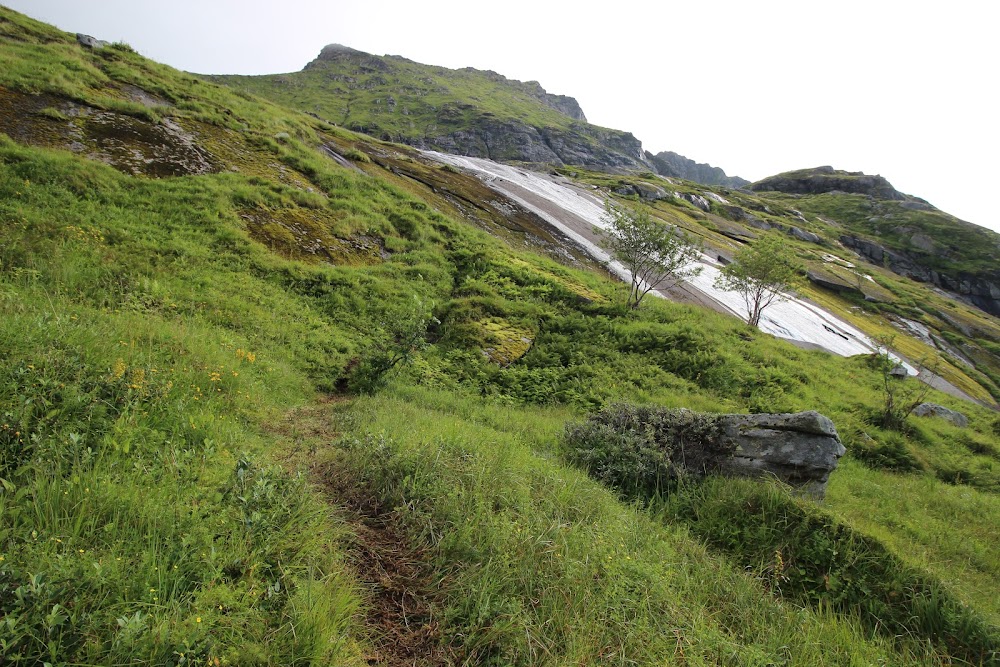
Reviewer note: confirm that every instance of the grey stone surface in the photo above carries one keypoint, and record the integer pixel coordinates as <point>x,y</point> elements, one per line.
<point>827,179</point>
<point>983,291</point>
<point>698,201</point>
<point>801,449</point>
<point>90,42</point>
<point>832,284</point>
<point>674,165</point>
<point>935,410</point>
<point>803,235</point>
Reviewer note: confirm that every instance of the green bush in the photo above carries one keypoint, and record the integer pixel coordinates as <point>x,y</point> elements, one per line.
<point>640,450</point>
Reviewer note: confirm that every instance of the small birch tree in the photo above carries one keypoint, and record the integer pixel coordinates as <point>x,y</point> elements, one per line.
<point>759,273</point>
<point>657,255</point>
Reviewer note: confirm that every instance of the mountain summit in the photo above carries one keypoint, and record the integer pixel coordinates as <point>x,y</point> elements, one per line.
<point>467,111</point>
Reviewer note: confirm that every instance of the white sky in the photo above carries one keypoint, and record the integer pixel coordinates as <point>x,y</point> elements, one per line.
<point>903,89</point>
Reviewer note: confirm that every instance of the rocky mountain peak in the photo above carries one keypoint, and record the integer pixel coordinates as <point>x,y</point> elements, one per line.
<point>334,50</point>
<point>670,164</point>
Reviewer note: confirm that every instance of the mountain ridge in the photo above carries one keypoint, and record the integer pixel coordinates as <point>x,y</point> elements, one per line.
<point>384,95</point>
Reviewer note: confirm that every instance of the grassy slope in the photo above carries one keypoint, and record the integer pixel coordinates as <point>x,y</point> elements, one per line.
<point>150,340</point>
<point>355,90</point>
<point>350,94</point>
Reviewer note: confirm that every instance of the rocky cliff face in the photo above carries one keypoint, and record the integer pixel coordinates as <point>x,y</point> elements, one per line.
<point>981,290</point>
<point>827,179</point>
<point>513,141</point>
<point>903,233</point>
<point>673,165</point>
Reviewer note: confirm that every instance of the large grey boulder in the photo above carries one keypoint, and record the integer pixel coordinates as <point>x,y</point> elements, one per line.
<point>89,42</point>
<point>935,410</point>
<point>800,449</point>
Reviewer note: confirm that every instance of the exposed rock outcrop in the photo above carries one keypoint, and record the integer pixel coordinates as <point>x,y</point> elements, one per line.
<point>801,449</point>
<point>505,141</point>
<point>89,42</point>
<point>697,201</point>
<point>827,179</point>
<point>465,123</point>
<point>562,103</point>
<point>643,191</point>
<point>803,235</point>
<point>831,283</point>
<point>983,291</point>
<point>674,165</point>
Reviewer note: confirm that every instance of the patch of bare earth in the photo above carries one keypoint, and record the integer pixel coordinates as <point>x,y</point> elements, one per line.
<point>397,573</point>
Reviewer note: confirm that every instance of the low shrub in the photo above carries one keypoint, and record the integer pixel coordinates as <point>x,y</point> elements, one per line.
<point>639,450</point>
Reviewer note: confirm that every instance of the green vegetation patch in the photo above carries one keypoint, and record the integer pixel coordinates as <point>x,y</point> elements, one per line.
<point>804,554</point>
<point>504,342</point>
<point>540,565</point>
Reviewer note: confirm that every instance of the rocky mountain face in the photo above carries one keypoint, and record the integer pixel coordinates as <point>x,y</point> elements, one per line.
<point>980,289</point>
<point>900,232</point>
<point>476,113</point>
<point>671,164</point>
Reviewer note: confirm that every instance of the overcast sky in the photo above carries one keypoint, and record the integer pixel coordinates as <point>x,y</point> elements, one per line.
<point>907,90</point>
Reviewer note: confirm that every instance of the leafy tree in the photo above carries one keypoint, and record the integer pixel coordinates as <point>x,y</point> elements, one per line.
<point>759,273</point>
<point>657,255</point>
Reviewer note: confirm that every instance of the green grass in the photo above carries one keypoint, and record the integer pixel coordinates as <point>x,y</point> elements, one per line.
<point>542,566</point>
<point>915,517</point>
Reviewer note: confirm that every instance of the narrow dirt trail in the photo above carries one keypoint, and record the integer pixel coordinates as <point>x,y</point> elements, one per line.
<point>396,575</point>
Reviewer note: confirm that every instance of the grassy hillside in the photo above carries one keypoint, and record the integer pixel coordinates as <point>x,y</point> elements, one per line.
<point>469,111</point>
<point>193,283</point>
